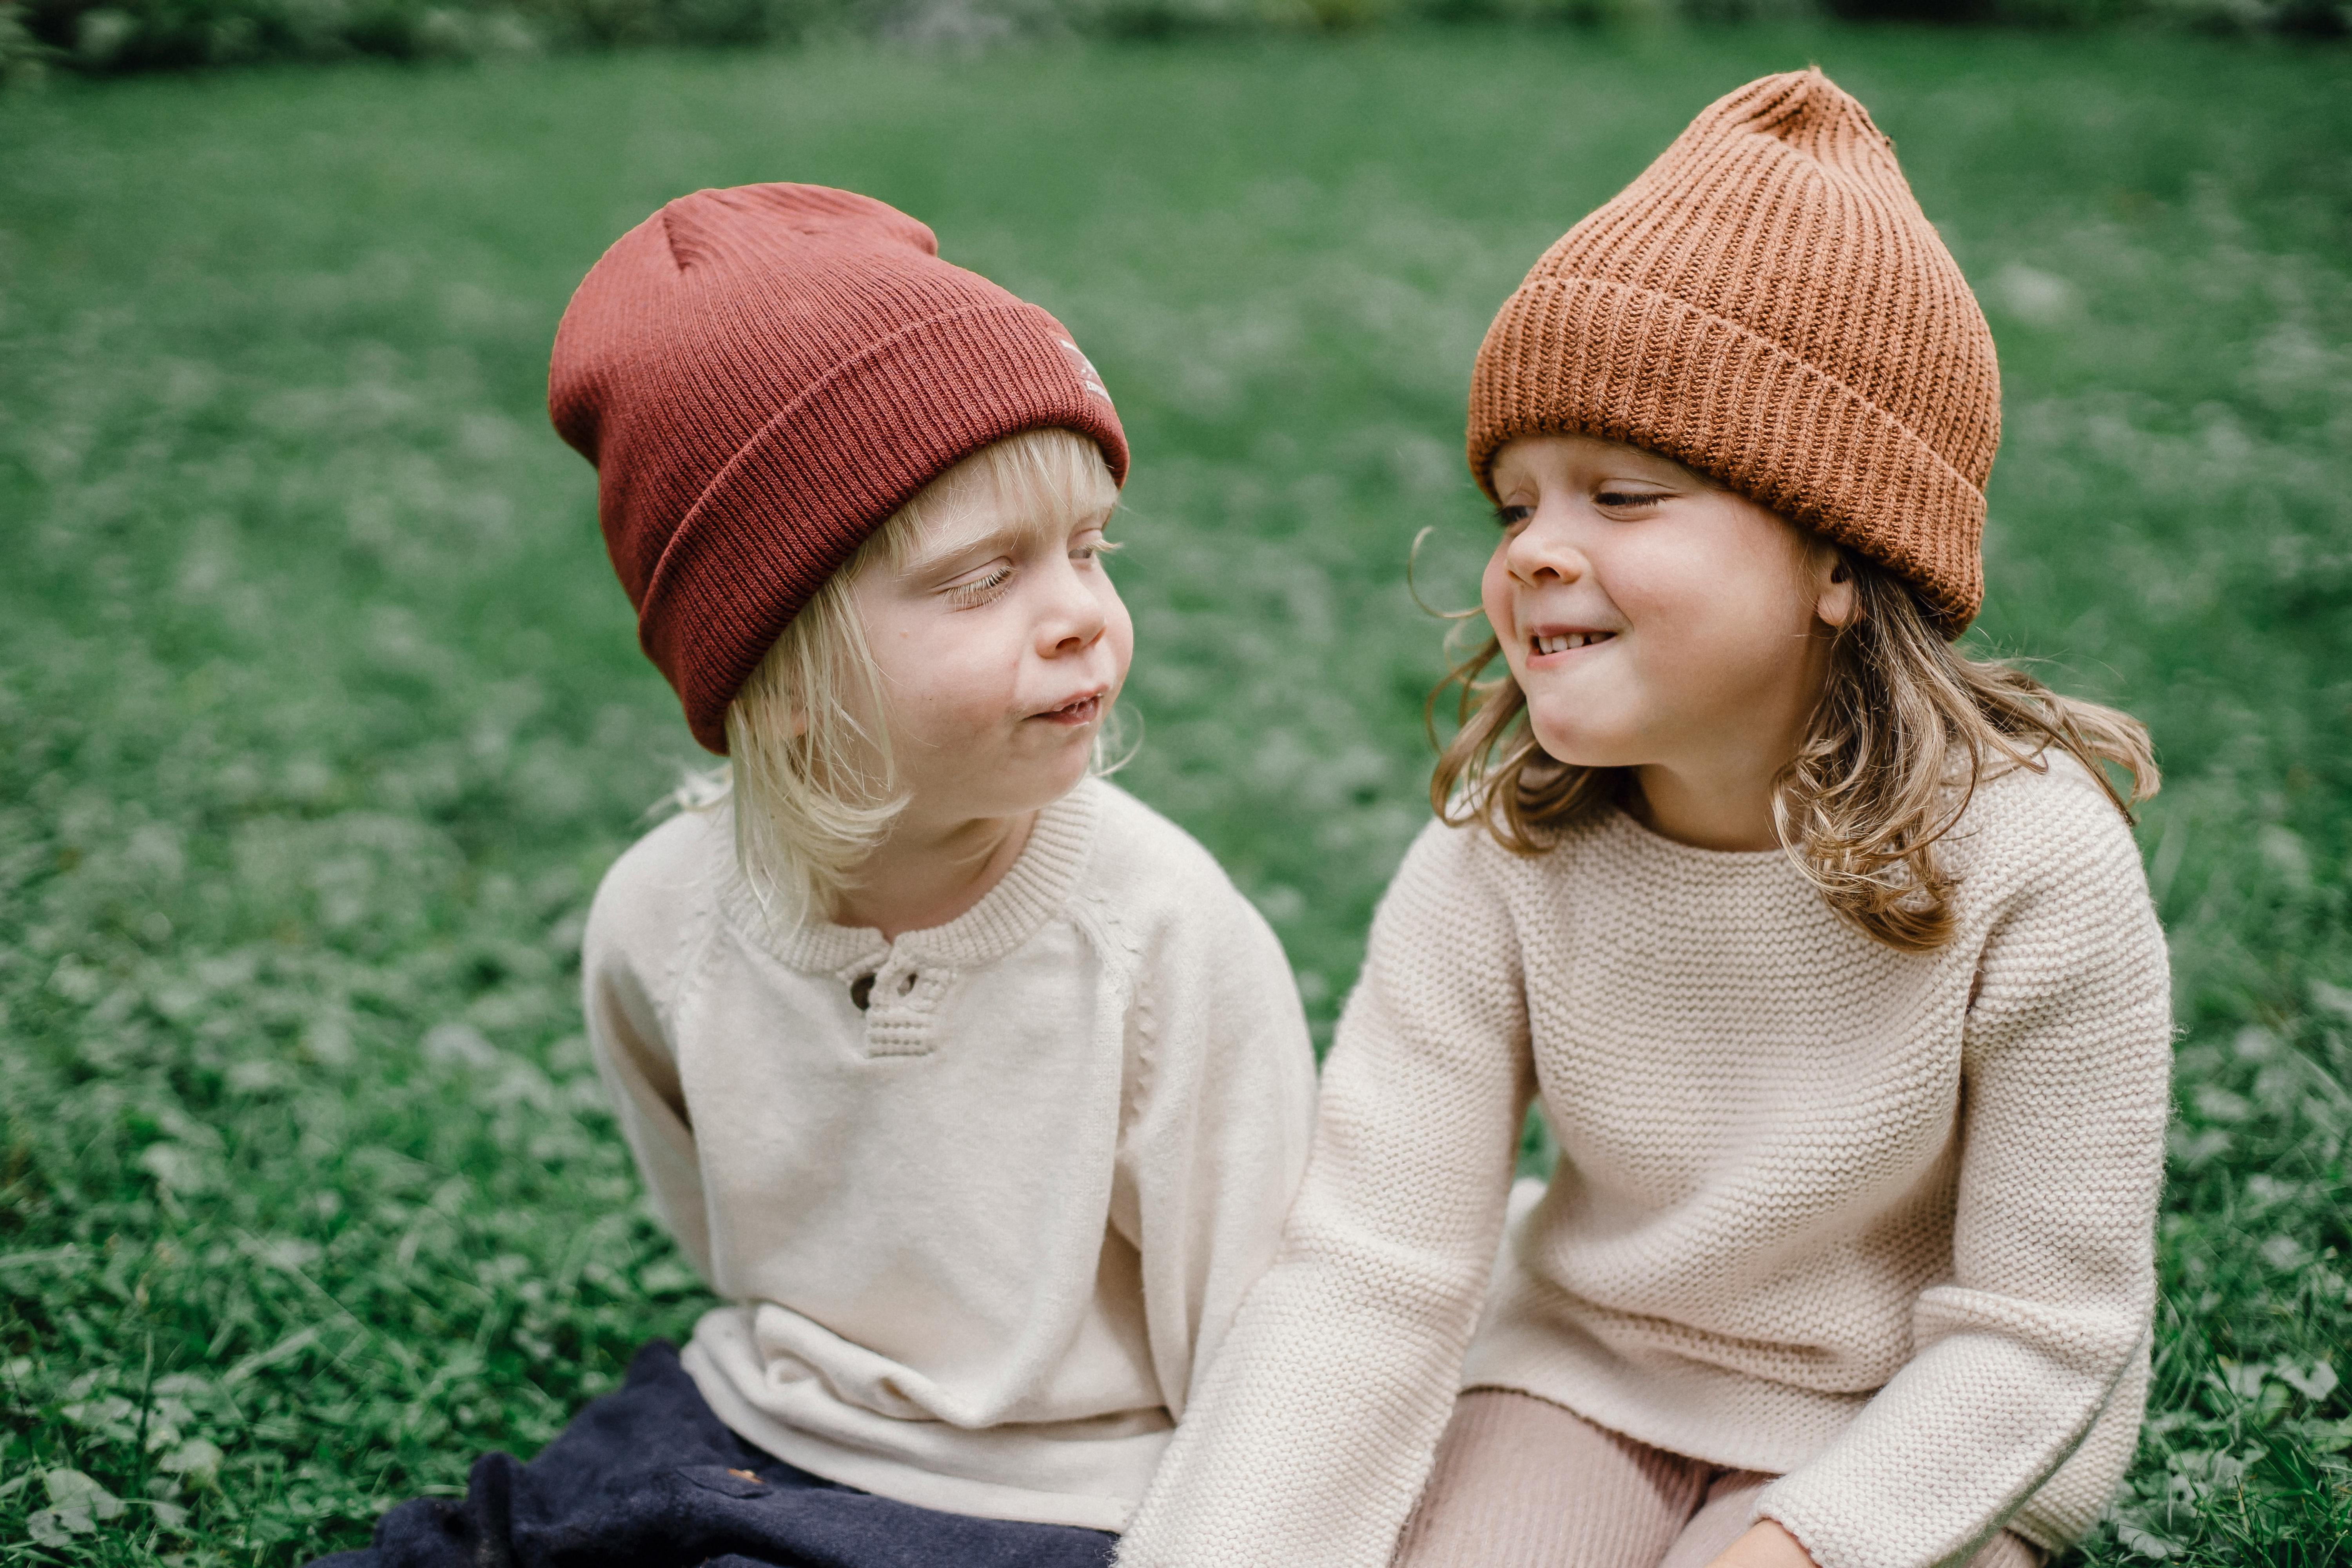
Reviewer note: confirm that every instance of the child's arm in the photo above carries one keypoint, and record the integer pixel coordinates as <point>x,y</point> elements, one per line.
<point>1314,1430</point>
<point>632,933</point>
<point>2065,1071</point>
<point>1216,1139</point>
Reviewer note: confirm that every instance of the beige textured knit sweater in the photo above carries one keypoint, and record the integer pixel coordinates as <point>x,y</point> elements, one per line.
<point>1876,1222</point>
<point>980,1237</point>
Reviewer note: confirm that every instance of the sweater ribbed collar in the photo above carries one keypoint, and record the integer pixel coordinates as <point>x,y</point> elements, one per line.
<point>1038,883</point>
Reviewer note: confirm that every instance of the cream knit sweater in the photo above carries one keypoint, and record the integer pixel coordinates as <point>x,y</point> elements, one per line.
<point>978,1238</point>
<point>1876,1222</point>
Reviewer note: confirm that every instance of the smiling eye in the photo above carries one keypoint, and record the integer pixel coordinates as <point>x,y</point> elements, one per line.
<point>1509,517</point>
<point>964,595</point>
<point>1622,500</point>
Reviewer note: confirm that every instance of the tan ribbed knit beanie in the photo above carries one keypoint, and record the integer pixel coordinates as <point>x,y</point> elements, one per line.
<point>1767,305</point>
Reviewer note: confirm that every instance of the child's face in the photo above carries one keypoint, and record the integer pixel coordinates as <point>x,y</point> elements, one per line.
<point>1002,646</point>
<point>1652,618</point>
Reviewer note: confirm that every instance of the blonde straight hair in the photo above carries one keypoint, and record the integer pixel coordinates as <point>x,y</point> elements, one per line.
<point>1907,727</point>
<point>809,761</point>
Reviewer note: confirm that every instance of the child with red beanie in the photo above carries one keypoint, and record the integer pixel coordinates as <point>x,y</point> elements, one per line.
<point>972,1086</point>
<point>1822,943</point>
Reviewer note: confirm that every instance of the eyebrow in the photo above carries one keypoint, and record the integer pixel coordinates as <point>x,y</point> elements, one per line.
<point>955,542</point>
<point>952,543</point>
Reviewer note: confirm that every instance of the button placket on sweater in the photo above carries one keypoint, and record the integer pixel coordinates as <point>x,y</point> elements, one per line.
<point>901,1000</point>
<point>899,987</point>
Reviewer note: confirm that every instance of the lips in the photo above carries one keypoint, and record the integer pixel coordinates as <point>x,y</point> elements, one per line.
<point>1078,710</point>
<point>1548,645</point>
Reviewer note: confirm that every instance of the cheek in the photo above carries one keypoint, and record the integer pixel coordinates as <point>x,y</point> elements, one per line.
<point>940,681</point>
<point>1495,598</point>
<point>1727,614</point>
<point>1118,631</point>
<point>895,639</point>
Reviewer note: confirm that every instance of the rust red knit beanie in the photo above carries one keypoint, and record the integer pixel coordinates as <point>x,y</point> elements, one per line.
<point>1767,305</point>
<point>762,377</point>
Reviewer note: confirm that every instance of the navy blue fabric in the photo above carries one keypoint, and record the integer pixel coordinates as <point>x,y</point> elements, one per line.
<point>648,1478</point>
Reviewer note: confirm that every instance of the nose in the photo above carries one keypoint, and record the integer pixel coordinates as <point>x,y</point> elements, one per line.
<point>1072,618</point>
<point>1543,553</point>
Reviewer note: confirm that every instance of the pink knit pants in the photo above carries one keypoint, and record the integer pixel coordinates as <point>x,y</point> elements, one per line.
<point>1521,1483</point>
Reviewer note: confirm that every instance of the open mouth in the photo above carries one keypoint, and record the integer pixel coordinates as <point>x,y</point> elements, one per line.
<point>1567,642</point>
<point>1078,710</point>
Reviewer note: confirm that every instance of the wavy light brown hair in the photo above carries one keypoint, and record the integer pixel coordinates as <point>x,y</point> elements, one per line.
<point>1908,725</point>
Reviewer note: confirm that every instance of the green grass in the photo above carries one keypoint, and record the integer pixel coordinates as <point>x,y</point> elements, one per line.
<point>321,714</point>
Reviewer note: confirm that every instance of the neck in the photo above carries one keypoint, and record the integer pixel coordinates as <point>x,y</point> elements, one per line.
<point>1726,806</point>
<point>929,872</point>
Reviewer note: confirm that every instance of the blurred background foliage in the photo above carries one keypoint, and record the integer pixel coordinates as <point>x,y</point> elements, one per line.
<point>321,714</point>
<point>113,35</point>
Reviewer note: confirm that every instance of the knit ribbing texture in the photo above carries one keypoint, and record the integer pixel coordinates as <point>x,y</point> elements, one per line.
<point>1880,1223</point>
<point>1767,304</point>
<point>979,1200</point>
<point>1522,1483</point>
<point>763,375</point>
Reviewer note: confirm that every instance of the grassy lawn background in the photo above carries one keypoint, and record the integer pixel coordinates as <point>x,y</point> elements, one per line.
<point>320,714</point>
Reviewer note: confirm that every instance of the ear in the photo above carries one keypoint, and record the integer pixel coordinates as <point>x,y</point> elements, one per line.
<point>1837,600</point>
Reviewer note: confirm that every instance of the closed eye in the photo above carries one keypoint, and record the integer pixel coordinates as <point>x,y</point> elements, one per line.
<point>979,590</point>
<point>1623,500</point>
<point>1509,517</point>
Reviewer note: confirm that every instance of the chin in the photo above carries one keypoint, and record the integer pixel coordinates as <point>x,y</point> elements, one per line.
<point>1065,773</point>
<point>1576,747</point>
<point>1067,783</point>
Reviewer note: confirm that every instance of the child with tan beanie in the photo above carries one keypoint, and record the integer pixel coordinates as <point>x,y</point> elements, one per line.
<point>971,1085</point>
<point>1823,945</point>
